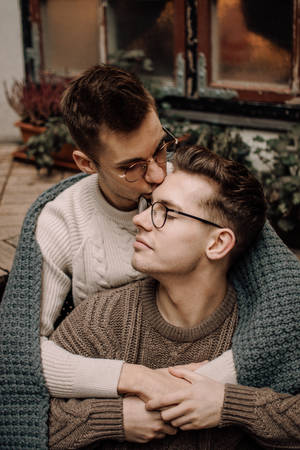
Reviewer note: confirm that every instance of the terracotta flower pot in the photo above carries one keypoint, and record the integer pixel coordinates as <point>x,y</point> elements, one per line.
<point>28,130</point>
<point>61,159</point>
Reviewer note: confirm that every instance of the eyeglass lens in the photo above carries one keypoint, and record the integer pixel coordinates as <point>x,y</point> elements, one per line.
<point>158,214</point>
<point>138,170</point>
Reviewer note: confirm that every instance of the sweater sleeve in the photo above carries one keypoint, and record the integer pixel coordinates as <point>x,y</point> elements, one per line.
<point>220,369</point>
<point>271,418</point>
<point>67,375</point>
<point>76,423</point>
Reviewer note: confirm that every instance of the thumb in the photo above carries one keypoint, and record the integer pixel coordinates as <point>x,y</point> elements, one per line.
<point>186,374</point>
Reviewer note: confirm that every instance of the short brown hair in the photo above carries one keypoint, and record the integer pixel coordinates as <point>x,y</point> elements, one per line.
<point>104,95</point>
<point>239,203</point>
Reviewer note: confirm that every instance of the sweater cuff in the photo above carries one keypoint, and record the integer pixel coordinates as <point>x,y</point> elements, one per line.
<point>220,369</point>
<point>106,419</point>
<point>68,375</point>
<point>239,406</point>
<point>98,378</point>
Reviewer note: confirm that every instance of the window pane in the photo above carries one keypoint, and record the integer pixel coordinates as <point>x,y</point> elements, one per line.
<point>252,41</point>
<point>140,36</point>
<point>70,35</point>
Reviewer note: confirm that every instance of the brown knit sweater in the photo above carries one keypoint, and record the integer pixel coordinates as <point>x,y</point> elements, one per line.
<point>125,323</point>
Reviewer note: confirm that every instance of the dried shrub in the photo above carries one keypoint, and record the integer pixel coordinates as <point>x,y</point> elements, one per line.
<point>35,102</point>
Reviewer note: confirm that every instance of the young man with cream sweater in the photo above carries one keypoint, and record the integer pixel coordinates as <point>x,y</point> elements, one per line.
<point>86,233</point>
<point>202,218</point>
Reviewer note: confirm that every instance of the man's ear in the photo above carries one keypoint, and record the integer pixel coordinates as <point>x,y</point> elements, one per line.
<point>220,243</point>
<point>83,162</point>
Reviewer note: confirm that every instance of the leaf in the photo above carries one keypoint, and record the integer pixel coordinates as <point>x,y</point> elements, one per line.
<point>285,225</point>
<point>282,207</point>
<point>296,198</point>
<point>258,139</point>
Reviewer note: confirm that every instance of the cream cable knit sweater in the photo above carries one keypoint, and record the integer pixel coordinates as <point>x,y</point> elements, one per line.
<point>87,246</point>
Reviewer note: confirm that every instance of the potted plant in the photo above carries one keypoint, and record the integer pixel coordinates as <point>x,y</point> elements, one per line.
<point>45,137</point>
<point>281,180</point>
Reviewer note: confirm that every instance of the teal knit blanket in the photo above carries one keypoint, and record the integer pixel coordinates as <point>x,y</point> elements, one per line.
<point>265,345</point>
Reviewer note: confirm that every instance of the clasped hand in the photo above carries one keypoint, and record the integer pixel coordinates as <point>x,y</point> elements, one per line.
<point>175,398</point>
<point>196,405</point>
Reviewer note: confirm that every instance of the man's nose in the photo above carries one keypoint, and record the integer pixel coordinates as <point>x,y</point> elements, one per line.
<point>155,173</point>
<point>143,219</point>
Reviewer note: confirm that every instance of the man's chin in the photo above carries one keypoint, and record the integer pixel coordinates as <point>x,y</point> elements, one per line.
<point>137,265</point>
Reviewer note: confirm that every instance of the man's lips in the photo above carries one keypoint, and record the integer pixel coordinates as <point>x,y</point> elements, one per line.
<point>141,243</point>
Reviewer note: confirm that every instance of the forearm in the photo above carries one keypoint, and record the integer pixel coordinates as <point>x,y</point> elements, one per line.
<point>68,375</point>
<point>221,369</point>
<point>272,418</point>
<point>77,423</point>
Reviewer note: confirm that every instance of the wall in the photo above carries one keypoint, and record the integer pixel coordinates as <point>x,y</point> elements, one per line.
<point>12,67</point>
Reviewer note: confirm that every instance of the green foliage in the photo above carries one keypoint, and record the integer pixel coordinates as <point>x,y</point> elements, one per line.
<point>281,178</point>
<point>281,159</point>
<point>226,141</point>
<point>42,146</point>
<point>38,103</point>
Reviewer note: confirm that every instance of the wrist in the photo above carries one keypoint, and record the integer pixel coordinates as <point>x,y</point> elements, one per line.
<point>132,378</point>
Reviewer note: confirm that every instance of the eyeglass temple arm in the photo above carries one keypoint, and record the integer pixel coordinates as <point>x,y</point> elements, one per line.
<point>194,217</point>
<point>166,130</point>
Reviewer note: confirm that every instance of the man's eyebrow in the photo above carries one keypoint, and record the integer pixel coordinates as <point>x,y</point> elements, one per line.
<point>169,204</point>
<point>127,162</point>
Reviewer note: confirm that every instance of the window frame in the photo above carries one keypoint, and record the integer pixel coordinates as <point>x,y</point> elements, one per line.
<point>34,49</point>
<point>179,70</point>
<point>193,91</point>
<point>260,93</point>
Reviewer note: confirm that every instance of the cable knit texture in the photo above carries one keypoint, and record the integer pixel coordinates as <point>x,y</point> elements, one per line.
<point>273,418</point>
<point>267,279</point>
<point>266,344</point>
<point>86,244</point>
<point>23,395</point>
<point>126,323</point>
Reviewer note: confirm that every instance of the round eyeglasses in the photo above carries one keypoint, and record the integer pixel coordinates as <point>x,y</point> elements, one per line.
<point>137,171</point>
<point>159,214</point>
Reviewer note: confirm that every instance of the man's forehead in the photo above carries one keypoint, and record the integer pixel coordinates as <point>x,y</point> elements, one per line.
<point>180,189</point>
<point>126,148</point>
<point>139,144</point>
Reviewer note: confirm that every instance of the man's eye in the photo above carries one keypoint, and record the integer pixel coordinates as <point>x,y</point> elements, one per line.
<point>135,166</point>
<point>171,216</point>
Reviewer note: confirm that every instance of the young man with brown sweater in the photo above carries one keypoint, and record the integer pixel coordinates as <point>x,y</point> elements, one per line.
<point>202,218</point>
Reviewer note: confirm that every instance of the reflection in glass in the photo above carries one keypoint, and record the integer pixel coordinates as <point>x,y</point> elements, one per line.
<point>70,35</point>
<point>140,36</point>
<point>252,41</point>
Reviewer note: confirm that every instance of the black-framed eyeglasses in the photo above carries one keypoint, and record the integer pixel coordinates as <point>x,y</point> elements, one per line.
<point>159,214</point>
<point>137,171</point>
